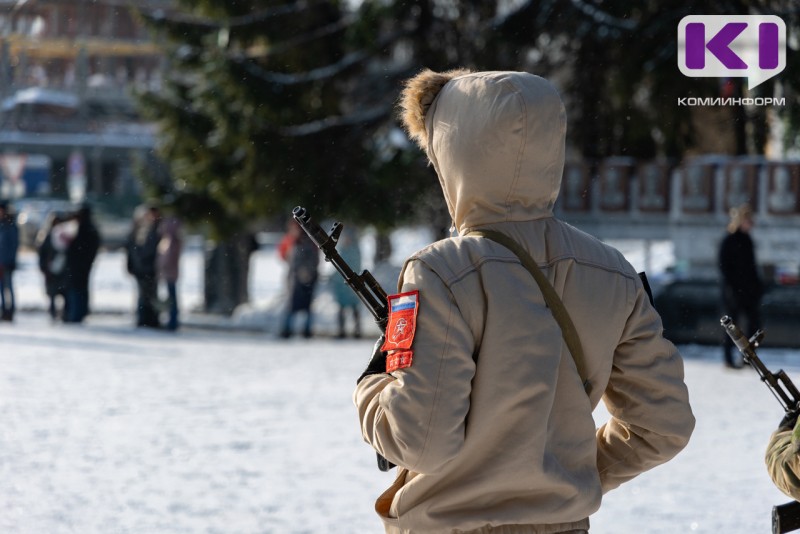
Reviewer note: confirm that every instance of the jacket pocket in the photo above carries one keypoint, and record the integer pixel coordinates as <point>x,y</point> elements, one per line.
<point>383,504</point>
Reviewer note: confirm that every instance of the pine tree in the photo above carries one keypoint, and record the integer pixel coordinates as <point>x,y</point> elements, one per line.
<point>269,105</point>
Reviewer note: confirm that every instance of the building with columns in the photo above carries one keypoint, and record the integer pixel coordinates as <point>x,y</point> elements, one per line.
<point>67,72</point>
<point>687,203</point>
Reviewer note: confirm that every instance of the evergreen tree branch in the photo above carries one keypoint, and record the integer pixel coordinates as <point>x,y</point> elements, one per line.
<point>603,18</point>
<point>196,22</point>
<point>321,73</point>
<point>289,44</point>
<point>363,117</point>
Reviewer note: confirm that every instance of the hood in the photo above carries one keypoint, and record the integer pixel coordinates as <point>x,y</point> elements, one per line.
<point>496,140</point>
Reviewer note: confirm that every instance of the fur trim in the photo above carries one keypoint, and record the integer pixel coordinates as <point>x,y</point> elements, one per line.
<point>417,96</point>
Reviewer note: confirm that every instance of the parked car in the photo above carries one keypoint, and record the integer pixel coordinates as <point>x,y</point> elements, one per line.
<point>691,309</point>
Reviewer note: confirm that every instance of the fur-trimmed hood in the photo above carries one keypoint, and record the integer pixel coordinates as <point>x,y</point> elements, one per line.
<point>496,140</point>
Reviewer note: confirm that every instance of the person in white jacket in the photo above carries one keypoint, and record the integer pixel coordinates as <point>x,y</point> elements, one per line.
<point>473,391</point>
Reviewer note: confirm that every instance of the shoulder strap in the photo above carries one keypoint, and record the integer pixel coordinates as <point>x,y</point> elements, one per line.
<point>551,298</point>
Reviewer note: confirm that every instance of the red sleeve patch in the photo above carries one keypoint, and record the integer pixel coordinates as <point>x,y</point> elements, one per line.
<point>399,359</point>
<point>400,330</point>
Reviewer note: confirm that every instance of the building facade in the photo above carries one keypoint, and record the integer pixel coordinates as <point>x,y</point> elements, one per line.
<point>68,69</point>
<point>687,203</point>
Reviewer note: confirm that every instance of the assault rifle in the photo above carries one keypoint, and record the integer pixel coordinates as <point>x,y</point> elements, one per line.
<point>364,285</point>
<point>786,517</point>
<point>779,384</point>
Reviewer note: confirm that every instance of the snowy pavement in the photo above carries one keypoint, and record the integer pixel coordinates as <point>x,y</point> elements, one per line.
<point>110,429</point>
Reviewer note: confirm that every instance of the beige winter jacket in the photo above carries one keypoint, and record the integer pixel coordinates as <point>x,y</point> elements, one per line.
<point>490,425</point>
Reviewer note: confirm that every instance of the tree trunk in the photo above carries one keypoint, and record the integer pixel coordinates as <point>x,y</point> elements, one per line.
<point>227,271</point>
<point>383,247</point>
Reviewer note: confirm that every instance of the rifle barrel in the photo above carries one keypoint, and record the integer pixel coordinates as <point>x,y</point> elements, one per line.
<point>778,383</point>
<point>368,289</point>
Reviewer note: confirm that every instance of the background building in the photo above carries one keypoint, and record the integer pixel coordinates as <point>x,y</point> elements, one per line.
<point>68,69</point>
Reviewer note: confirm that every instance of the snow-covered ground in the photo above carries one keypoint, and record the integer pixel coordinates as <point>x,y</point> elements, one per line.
<point>108,429</point>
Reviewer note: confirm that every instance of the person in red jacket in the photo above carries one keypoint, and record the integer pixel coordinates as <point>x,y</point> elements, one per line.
<point>288,240</point>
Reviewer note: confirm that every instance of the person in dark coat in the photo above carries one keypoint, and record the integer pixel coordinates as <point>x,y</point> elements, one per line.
<point>81,254</point>
<point>142,250</point>
<point>742,287</point>
<point>303,272</point>
<point>9,244</point>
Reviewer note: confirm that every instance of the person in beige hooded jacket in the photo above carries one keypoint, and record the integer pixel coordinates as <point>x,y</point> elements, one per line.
<point>482,409</point>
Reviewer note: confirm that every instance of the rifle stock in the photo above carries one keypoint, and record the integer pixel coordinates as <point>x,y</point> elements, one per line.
<point>364,285</point>
<point>786,517</point>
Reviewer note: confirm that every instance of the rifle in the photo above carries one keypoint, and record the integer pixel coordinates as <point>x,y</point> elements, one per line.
<point>786,517</point>
<point>779,384</point>
<point>364,285</point>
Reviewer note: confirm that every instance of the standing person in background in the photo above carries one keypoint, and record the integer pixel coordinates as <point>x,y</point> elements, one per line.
<point>142,249</point>
<point>285,247</point>
<point>9,244</point>
<point>138,219</point>
<point>168,264</point>
<point>52,243</point>
<point>302,280</point>
<point>81,254</point>
<point>346,298</point>
<point>287,241</point>
<point>742,287</point>
<point>481,391</point>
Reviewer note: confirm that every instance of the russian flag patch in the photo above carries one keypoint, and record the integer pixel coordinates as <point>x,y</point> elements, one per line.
<point>400,330</point>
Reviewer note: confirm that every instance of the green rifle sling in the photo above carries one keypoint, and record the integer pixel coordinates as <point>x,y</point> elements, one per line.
<point>551,298</point>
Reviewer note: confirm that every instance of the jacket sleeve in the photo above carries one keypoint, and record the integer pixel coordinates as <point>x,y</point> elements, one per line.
<point>416,416</point>
<point>651,419</point>
<point>783,463</point>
